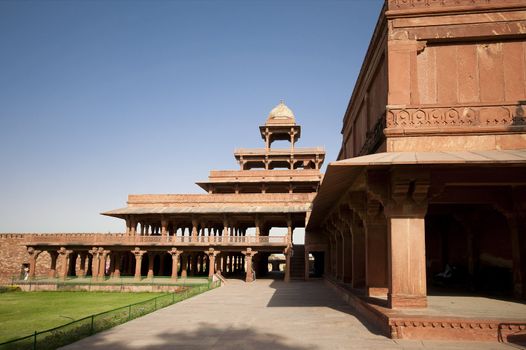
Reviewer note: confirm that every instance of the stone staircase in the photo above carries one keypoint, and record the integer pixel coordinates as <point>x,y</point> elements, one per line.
<point>297,263</point>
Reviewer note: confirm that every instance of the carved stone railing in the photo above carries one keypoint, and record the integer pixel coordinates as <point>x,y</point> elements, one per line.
<point>469,118</point>
<point>123,239</point>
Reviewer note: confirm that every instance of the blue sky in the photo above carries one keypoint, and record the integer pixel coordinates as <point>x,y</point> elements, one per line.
<point>99,99</point>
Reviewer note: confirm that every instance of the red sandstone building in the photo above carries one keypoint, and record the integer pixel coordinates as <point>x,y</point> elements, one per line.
<point>227,229</point>
<point>429,189</point>
<point>430,181</point>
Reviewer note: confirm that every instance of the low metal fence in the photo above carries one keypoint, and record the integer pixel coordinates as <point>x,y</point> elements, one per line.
<point>68,333</point>
<point>115,281</point>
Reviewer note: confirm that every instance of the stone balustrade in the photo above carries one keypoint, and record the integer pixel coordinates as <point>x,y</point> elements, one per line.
<point>123,239</point>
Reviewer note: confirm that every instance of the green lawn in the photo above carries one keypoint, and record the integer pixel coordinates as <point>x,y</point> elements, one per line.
<point>22,313</point>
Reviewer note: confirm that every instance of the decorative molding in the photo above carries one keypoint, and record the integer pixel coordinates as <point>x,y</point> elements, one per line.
<point>449,328</point>
<point>429,4</point>
<point>457,116</point>
<point>409,4</point>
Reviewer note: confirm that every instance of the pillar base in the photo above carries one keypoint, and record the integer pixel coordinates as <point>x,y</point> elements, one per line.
<point>406,301</point>
<point>376,291</point>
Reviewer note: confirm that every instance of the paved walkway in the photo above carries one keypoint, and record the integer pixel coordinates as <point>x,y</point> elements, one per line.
<point>265,314</point>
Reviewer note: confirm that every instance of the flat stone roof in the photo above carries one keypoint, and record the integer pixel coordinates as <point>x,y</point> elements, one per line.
<point>208,210</point>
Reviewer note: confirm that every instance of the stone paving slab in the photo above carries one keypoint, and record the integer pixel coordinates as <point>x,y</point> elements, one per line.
<point>266,314</point>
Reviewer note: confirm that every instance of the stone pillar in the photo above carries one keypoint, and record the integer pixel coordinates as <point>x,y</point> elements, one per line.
<point>257,223</point>
<point>128,226</point>
<point>133,227</point>
<point>53,266</point>
<point>375,251</point>
<point>289,229</point>
<point>195,223</point>
<point>151,259</point>
<point>407,264</point>
<point>164,225</point>
<point>211,253</point>
<point>405,207</point>
<point>33,255</point>
<point>345,230</point>
<point>249,253</point>
<point>102,260</point>
<point>287,252</point>
<point>358,252</point>
<point>94,262</point>
<point>117,264</point>
<point>340,247</point>
<point>64,253</point>
<point>175,261</point>
<point>82,265</point>
<point>138,253</point>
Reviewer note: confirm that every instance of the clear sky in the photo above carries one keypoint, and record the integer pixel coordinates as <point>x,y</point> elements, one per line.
<point>99,99</point>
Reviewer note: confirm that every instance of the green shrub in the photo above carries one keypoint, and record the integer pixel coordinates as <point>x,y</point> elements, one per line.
<point>9,289</point>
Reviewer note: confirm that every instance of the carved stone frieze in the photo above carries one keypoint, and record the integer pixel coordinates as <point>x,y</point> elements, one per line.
<point>415,4</point>
<point>459,116</point>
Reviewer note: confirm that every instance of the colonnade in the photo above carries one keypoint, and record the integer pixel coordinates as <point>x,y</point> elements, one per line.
<point>377,237</point>
<point>378,243</point>
<point>101,262</point>
<point>199,227</point>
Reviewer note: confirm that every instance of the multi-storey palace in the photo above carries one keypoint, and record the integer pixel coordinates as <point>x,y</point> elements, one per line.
<point>227,229</point>
<point>428,191</point>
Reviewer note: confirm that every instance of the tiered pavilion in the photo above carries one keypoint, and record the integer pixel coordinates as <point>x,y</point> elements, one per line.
<point>228,229</point>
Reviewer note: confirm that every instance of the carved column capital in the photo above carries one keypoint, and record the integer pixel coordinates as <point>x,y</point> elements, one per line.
<point>138,252</point>
<point>175,252</point>
<point>249,252</point>
<point>64,251</point>
<point>33,252</point>
<point>211,252</point>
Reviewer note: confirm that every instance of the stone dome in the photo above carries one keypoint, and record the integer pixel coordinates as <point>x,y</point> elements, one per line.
<point>281,114</point>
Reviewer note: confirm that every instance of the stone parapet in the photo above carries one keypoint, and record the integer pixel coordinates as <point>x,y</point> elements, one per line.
<point>123,239</point>
<point>220,200</point>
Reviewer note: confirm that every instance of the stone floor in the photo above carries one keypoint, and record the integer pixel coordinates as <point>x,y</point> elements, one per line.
<point>266,314</point>
<point>469,306</point>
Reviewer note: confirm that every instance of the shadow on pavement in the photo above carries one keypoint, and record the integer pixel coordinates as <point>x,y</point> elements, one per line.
<point>208,336</point>
<point>318,295</point>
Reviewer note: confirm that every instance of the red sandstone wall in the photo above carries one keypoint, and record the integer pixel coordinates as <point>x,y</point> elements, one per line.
<point>369,99</point>
<point>472,73</point>
<point>13,255</point>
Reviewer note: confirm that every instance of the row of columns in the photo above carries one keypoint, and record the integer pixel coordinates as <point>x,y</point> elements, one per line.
<point>95,262</point>
<point>377,240</point>
<point>167,227</point>
<point>267,163</point>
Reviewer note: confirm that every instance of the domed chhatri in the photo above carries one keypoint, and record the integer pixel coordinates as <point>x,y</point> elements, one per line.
<point>281,114</point>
